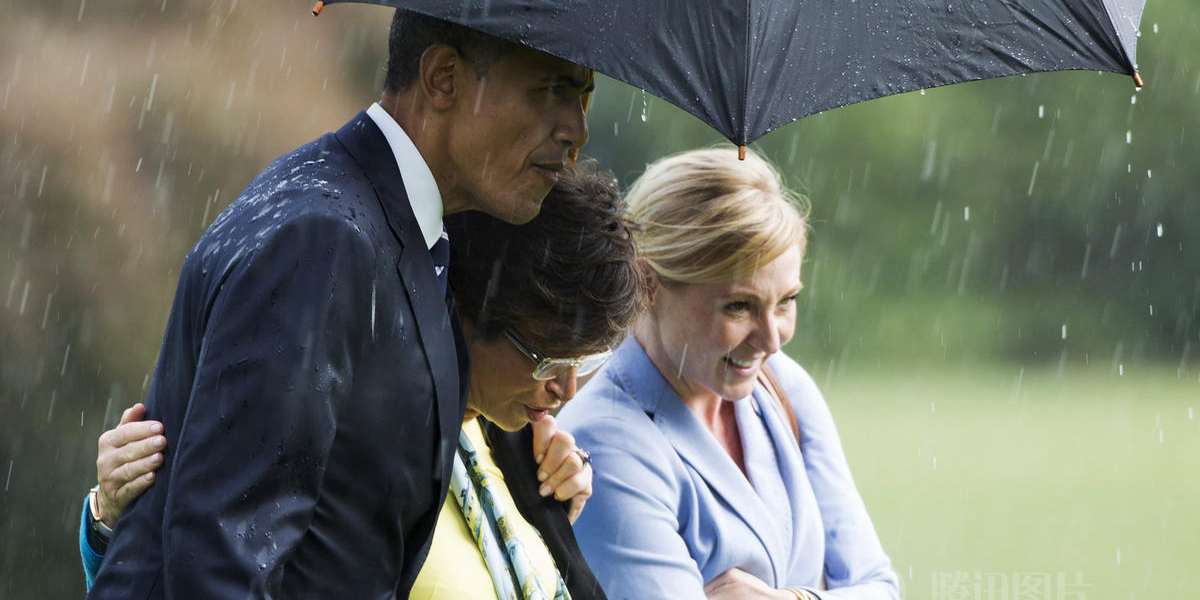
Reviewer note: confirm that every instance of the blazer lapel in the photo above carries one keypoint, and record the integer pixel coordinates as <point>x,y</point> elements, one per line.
<point>435,326</point>
<point>513,453</point>
<point>694,444</point>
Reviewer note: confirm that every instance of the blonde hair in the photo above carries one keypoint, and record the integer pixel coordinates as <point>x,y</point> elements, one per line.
<point>704,216</point>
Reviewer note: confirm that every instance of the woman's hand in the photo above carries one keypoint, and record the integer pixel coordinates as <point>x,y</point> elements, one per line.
<point>126,461</point>
<point>736,584</point>
<point>561,467</point>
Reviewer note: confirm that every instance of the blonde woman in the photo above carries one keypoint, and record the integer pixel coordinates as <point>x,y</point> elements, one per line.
<point>719,472</point>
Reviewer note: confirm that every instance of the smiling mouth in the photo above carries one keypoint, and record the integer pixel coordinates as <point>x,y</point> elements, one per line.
<point>741,364</point>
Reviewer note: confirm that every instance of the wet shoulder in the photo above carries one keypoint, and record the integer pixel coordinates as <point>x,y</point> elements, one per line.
<point>314,188</point>
<point>799,385</point>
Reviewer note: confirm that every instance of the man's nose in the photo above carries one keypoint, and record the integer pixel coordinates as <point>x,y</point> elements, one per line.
<point>563,386</point>
<point>572,131</point>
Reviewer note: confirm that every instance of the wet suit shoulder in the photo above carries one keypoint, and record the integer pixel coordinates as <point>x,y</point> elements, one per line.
<point>309,386</point>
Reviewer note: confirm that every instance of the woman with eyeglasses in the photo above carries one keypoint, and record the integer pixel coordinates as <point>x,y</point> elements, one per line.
<point>719,472</point>
<point>541,305</point>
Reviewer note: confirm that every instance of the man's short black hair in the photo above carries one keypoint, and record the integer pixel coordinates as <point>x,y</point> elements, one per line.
<point>413,32</point>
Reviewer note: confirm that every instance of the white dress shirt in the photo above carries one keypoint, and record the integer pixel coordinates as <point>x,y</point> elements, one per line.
<point>423,193</point>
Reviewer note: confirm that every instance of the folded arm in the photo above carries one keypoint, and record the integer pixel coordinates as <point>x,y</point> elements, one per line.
<point>856,566</point>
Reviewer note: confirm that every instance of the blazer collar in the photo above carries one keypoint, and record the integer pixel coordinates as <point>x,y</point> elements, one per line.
<point>366,143</point>
<point>435,324</point>
<point>695,445</point>
<point>424,197</point>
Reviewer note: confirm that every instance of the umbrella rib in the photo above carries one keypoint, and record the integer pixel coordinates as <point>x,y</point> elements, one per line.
<point>1137,77</point>
<point>744,127</point>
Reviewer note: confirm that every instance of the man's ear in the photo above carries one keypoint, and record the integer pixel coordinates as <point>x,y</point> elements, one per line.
<point>440,65</point>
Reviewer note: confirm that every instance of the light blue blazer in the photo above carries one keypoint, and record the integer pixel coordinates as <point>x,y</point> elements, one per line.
<point>671,511</point>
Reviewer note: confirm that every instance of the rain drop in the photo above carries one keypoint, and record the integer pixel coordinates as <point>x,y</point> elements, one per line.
<point>1064,331</point>
<point>1128,136</point>
<point>1159,230</point>
<point>1041,111</point>
<point>966,213</point>
<point>1133,99</point>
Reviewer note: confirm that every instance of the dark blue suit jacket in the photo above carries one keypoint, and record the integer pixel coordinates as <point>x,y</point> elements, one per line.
<point>312,384</point>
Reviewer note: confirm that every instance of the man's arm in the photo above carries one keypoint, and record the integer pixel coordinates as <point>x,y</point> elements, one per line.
<point>277,360</point>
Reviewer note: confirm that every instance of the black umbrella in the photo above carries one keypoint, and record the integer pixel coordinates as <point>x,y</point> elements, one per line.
<point>746,67</point>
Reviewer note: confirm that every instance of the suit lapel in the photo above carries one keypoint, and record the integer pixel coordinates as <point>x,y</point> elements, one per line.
<point>694,444</point>
<point>435,326</point>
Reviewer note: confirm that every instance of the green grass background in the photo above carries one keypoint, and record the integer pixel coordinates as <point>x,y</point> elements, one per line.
<point>991,473</point>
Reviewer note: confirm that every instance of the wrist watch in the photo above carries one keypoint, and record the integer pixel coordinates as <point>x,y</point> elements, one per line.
<point>98,526</point>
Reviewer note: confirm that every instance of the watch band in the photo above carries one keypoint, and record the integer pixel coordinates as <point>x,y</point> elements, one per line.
<point>98,526</point>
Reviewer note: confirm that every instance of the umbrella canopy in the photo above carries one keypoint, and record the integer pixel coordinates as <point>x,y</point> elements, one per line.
<point>746,67</point>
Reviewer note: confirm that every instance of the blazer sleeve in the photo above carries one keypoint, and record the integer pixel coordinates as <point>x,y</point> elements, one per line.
<point>629,530</point>
<point>277,359</point>
<point>856,566</point>
<point>91,557</point>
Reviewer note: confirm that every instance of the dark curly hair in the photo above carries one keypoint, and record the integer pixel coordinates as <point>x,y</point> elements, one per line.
<point>568,282</point>
<point>412,33</point>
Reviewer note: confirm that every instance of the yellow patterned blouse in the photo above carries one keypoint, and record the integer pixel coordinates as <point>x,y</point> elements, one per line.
<point>455,569</point>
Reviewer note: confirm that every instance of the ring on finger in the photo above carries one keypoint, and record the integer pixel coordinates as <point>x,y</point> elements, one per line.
<point>584,456</point>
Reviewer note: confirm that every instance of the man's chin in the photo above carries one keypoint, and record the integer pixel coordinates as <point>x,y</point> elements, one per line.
<point>518,211</point>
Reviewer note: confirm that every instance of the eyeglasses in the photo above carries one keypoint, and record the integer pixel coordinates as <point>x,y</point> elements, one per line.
<point>546,368</point>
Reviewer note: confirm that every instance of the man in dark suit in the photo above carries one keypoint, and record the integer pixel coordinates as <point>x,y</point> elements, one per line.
<point>311,374</point>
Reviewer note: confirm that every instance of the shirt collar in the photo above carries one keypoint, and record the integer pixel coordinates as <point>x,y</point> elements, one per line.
<point>422,189</point>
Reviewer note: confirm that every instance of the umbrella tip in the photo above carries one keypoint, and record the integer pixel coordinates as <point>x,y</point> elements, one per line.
<point>1138,81</point>
<point>741,152</point>
<point>318,7</point>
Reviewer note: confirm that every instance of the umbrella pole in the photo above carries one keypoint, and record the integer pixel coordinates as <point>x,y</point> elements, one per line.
<point>318,7</point>
<point>741,152</point>
<point>1137,80</point>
